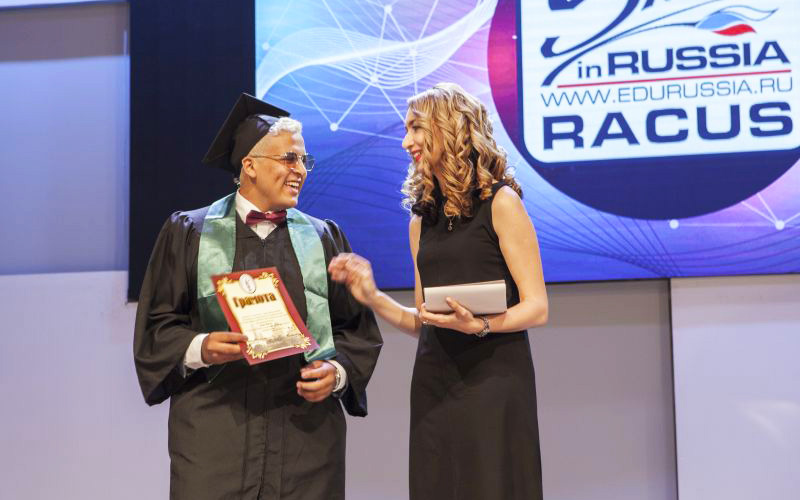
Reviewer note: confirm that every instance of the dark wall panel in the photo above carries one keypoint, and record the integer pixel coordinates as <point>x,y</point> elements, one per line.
<point>189,61</point>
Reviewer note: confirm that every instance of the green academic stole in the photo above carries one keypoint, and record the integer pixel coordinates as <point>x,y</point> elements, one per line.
<point>215,256</point>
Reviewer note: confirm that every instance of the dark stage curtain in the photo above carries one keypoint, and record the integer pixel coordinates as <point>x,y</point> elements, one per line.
<point>190,59</point>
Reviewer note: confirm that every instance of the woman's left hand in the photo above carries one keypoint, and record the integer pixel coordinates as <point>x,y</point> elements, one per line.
<point>461,319</point>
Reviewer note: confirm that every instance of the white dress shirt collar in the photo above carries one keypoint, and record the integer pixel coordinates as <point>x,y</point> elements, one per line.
<point>243,207</point>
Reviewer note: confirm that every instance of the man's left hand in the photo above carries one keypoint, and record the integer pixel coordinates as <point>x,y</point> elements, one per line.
<point>318,381</point>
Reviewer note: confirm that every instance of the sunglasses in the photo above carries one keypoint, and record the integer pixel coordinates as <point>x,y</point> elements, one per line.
<point>290,158</point>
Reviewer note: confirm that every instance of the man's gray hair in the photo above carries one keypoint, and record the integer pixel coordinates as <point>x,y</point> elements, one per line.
<point>286,124</point>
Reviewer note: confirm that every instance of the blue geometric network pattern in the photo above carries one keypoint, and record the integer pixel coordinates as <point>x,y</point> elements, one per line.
<point>345,68</point>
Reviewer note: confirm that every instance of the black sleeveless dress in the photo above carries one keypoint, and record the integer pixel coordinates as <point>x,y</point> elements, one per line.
<point>474,430</point>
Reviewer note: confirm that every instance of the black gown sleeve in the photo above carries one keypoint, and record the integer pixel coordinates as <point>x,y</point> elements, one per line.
<point>163,329</point>
<point>355,331</point>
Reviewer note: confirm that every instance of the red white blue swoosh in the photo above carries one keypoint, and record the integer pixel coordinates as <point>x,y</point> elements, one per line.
<point>733,21</point>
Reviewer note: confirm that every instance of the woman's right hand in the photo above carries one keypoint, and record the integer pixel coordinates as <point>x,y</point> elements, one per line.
<point>356,273</point>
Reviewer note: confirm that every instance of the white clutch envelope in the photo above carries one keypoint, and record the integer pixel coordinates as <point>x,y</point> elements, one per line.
<point>487,297</point>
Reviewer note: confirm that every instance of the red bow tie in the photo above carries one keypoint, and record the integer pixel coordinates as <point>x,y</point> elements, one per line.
<point>254,217</point>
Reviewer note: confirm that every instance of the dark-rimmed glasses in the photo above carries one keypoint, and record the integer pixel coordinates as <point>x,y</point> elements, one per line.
<point>290,158</point>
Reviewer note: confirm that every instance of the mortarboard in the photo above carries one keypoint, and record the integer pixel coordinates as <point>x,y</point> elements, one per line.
<point>246,124</point>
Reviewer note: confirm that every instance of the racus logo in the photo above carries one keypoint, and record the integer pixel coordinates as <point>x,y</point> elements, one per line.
<point>653,109</point>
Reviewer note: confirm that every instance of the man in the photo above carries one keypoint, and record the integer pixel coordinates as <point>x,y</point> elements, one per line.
<point>274,430</point>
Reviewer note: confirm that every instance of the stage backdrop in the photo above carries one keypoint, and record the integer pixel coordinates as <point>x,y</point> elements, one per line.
<point>652,138</point>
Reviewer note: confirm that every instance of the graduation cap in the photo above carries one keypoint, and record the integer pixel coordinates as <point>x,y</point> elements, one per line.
<point>246,124</point>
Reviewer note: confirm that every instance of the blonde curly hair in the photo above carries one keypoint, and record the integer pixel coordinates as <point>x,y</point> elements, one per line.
<point>471,159</point>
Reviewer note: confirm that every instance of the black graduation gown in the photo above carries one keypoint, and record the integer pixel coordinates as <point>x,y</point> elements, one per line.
<point>246,433</point>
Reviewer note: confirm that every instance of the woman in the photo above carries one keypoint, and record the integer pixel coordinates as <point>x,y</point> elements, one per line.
<point>474,432</point>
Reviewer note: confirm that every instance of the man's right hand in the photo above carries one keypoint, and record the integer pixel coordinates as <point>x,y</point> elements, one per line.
<point>222,347</point>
